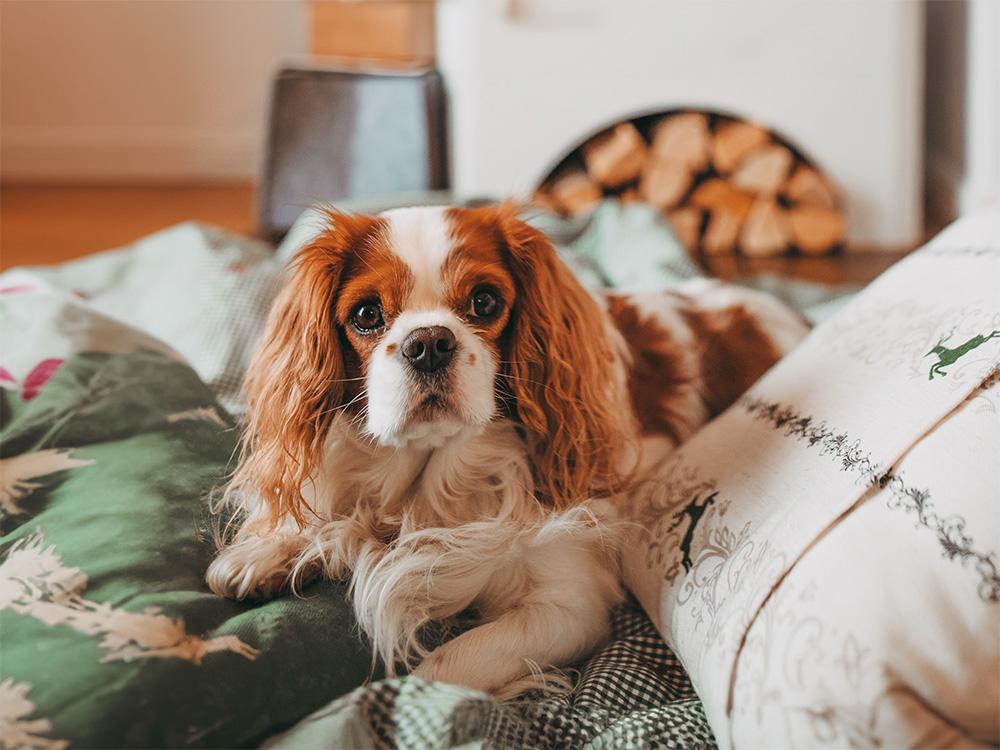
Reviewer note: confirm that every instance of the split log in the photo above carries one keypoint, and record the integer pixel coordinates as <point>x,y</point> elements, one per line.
<point>763,172</point>
<point>574,191</point>
<point>721,233</point>
<point>717,194</point>
<point>734,141</point>
<point>725,185</point>
<point>615,156</point>
<point>806,187</point>
<point>686,223</point>
<point>664,182</point>
<point>683,139</point>
<point>764,233</point>
<point>815,230</point>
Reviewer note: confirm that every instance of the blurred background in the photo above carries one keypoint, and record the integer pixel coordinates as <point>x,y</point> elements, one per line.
<point>119,117</point>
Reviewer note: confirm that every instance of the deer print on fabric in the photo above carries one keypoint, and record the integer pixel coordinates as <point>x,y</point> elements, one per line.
<point>694,512</point>
<point>948,356</point>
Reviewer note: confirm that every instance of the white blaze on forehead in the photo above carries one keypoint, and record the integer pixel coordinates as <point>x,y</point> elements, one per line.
<point>421,237</point>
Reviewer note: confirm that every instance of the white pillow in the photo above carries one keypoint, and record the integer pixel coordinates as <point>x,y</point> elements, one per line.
<point>824,556</point>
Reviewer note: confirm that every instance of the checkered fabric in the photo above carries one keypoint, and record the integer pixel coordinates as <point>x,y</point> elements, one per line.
<point>633,694</point>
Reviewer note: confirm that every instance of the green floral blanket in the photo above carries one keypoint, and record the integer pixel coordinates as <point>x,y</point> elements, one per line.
<point>108,636</point>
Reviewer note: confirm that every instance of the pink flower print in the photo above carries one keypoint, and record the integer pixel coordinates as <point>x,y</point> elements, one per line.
<point>6,379</point>
<point>39,377</point>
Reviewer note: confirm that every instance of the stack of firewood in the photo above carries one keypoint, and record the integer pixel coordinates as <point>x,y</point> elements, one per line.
<point>726,185</point>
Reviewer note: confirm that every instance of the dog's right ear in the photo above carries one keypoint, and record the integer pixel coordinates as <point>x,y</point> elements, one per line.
<point>295,382</point>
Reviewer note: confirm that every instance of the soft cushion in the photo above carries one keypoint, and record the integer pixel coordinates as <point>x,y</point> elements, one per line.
<point>824,556</point>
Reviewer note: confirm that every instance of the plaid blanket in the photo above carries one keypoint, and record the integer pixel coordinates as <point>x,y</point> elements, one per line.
<point>634,693</point>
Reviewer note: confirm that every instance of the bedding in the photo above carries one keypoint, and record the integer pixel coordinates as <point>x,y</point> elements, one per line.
<point>110,638</point>
<point>823,557</point>
<point>117,420</point>
<point>633,693</point>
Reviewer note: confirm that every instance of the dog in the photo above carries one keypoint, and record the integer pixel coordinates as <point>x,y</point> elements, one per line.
<point>439,412</point>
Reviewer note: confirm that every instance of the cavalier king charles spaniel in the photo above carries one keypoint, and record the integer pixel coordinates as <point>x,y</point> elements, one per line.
<point>440,413</point>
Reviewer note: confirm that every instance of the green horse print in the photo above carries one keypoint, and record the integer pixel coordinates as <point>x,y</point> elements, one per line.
<point>948,356</point>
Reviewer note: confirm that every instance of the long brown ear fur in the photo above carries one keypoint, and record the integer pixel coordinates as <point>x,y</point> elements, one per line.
<point>295,381</point>
<point>561,372</point>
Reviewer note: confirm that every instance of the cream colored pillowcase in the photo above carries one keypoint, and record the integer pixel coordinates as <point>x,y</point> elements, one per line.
<point>824,556</point>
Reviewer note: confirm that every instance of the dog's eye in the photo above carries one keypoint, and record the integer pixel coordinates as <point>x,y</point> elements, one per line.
<point>367,316</point>
<point>484,303</point>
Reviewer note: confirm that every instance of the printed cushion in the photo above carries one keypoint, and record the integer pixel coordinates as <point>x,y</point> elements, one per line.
<point>109,636</point>
<point>824,556</point>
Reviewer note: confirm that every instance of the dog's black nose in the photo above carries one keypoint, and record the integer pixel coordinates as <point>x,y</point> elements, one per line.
<point>429,349</point>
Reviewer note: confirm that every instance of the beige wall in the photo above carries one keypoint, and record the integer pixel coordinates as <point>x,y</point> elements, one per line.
<point>126,89</point>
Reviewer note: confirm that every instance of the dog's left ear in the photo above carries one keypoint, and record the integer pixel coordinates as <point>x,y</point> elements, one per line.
<point>561,370</point>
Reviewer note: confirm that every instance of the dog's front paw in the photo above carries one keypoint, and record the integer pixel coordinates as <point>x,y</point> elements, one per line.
<point>253,568</point>
<point>452,665</point>
<point>437,667</point>
<point>496,681</point>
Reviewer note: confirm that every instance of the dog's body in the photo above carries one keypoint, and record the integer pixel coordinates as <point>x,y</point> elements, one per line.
<point>441,413</point>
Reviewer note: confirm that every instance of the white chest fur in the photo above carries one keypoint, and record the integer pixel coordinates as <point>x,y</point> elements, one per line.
<point>458,526</point>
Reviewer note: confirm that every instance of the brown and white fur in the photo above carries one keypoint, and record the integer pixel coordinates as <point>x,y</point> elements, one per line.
<point>488,484</point>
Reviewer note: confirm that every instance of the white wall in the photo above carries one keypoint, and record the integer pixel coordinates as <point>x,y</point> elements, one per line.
<point>107,89</point>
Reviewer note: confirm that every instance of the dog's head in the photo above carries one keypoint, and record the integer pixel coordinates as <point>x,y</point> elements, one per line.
<point>422,325</point>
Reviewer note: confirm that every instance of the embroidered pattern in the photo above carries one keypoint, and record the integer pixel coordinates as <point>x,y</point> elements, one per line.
<point>900,333</point>
<point>661,509</point>
<point>692,511</point>
<point>948,356</point>
<point>955,543</point>
<point>804,678</point>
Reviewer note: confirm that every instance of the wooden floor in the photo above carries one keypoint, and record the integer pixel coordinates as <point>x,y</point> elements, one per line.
<point>49,224</point>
